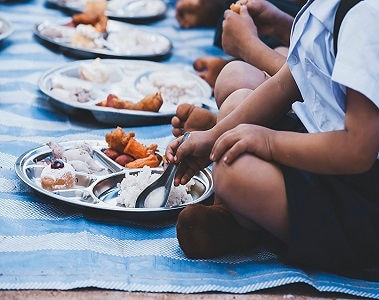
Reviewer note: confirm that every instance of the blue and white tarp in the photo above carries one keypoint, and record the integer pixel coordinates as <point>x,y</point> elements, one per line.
<point>48,245</point>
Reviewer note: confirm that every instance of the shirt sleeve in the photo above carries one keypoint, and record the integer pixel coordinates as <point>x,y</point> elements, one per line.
<point>357,61</point>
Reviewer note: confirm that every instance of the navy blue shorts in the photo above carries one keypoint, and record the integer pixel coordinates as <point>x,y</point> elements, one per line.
<point>334,219</point>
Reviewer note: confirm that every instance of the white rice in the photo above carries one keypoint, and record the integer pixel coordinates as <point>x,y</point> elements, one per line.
<point>133,184</point>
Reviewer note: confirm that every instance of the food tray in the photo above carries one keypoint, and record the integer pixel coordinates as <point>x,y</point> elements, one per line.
<point>129,79</point>
<point>6,28</point>
<point>97,192</point>
<point>121,40</point>
<point>133,11</point>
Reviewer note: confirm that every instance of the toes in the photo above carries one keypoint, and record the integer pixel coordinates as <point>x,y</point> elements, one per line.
<point>183,111</point>
<point>199,64</point>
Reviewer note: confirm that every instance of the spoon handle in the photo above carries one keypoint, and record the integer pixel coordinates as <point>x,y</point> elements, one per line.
<point>172,169</point>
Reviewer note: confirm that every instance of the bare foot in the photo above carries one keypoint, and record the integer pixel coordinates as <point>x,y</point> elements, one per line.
<point>190,117</point>
<point>211,231</point>
<point>198,13</point>
<point>208,68</point>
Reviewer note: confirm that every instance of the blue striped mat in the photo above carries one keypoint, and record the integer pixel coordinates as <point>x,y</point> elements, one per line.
<point>46,245</point>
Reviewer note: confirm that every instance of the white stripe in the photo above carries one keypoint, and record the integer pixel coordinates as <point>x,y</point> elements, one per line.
<point>7,161</point>
<point>90,242</point>
<point>13,120</point>
<point>21,210</point>
<point>86,241</point>
<point>11,185</point>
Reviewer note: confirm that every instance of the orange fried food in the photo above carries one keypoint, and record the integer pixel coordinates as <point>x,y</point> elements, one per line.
<point>151,161</point>
<point>118,138</point>
<point>98,22</point>
<point>94,14</point>
<point>235,7</point>
<point>128,152</point>
<point>149,103</point>
<point>135,149</point>
<point>138,150</point>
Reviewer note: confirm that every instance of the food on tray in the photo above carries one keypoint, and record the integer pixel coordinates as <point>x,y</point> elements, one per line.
<point>128,152</point>
<point>72,89</point>
<point>79,158</point>
<point>90,25</point>
<point>87,37</point>
<point>116,39</point>
<point>133,184</point>
<point>235,7</point>
<point>151,161</point>
<point>175,86</point>
<point>149,103</point>
<point>94,14</point>
<point>58,175</point>
<point>95,71</point>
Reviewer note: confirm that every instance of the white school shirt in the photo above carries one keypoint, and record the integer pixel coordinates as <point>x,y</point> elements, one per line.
<point>321,78</point>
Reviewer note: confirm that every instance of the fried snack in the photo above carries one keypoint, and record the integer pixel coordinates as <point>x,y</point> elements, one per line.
<point>135,149</point>
<point>152,148</point>
<point>149,103</point>
<point>235,7</point>
<point>94,14</point>
<point>128,152</point>
<point>151,161</point>
<point>118,138</point>
<point>138,150</point>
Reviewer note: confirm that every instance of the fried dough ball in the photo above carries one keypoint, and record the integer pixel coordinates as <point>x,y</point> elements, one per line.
<point>118,138</point>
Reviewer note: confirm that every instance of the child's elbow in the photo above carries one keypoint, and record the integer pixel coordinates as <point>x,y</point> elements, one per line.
<point>364,162</point>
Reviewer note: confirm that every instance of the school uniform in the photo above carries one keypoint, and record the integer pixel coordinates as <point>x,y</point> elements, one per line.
<point>334,220</point>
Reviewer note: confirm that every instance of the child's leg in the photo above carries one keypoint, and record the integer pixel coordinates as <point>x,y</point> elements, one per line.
<point>209,68</point>
<point>190,118</point>
<point>234,76</point>
<point>255,190</point>
<point>248,204</point>
<point>197,13</point>
<point>211,231</point>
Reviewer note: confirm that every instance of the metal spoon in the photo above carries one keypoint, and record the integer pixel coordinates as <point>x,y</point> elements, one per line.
<point>161,186</point>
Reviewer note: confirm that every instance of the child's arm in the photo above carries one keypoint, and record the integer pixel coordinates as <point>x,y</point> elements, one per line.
<point>240,39</point>
<point>264,106</point>
<point>352,150</point>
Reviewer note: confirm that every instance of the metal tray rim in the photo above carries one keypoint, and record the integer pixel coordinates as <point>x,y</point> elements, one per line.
<point>27,156</point>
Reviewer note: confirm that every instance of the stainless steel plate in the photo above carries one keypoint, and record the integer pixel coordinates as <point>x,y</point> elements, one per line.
<point>97,191</point>
<point>122,40</point>
<point>129,79</point>
<point>134,11</point>
<point>6,29</point>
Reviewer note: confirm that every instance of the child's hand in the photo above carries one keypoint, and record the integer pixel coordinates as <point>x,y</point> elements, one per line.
<point>244,138</point>
<point>239,33</point>
<point>193,155</point>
